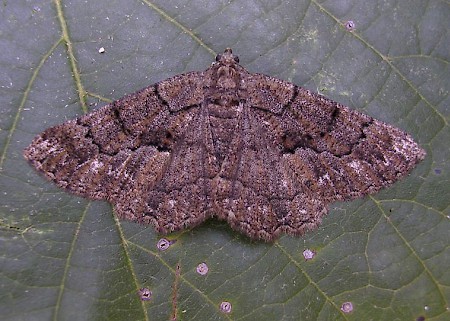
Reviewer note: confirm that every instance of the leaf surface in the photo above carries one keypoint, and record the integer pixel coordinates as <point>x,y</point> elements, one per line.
<point>66,258</point>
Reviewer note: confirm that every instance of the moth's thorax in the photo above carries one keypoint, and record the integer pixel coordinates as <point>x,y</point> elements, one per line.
<point>225,89</point>
<point>227,78</point>
<point>225,84</point>
<point>225,102</point>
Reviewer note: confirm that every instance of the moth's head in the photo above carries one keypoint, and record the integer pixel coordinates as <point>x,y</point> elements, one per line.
<point>227,58</point>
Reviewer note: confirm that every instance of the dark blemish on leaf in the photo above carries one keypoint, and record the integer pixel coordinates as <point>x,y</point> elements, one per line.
<point>437,171</point>
<point>175,293</point>
<point>225,307</point>
<point>421,318</point>
<point>163,244</point>
<point>347,307</point>
<point>202,269</point>
<point>16,228</point>
<point>145,294</point>
<point>350,25</point>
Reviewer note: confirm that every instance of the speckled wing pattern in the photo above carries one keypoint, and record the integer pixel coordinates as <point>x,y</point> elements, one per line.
<point>261,153</point>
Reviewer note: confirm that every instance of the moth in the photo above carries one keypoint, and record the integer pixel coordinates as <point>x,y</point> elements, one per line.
<point>261,153</point>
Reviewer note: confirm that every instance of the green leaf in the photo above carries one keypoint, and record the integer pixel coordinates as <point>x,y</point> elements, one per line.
<point>65,258</point>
